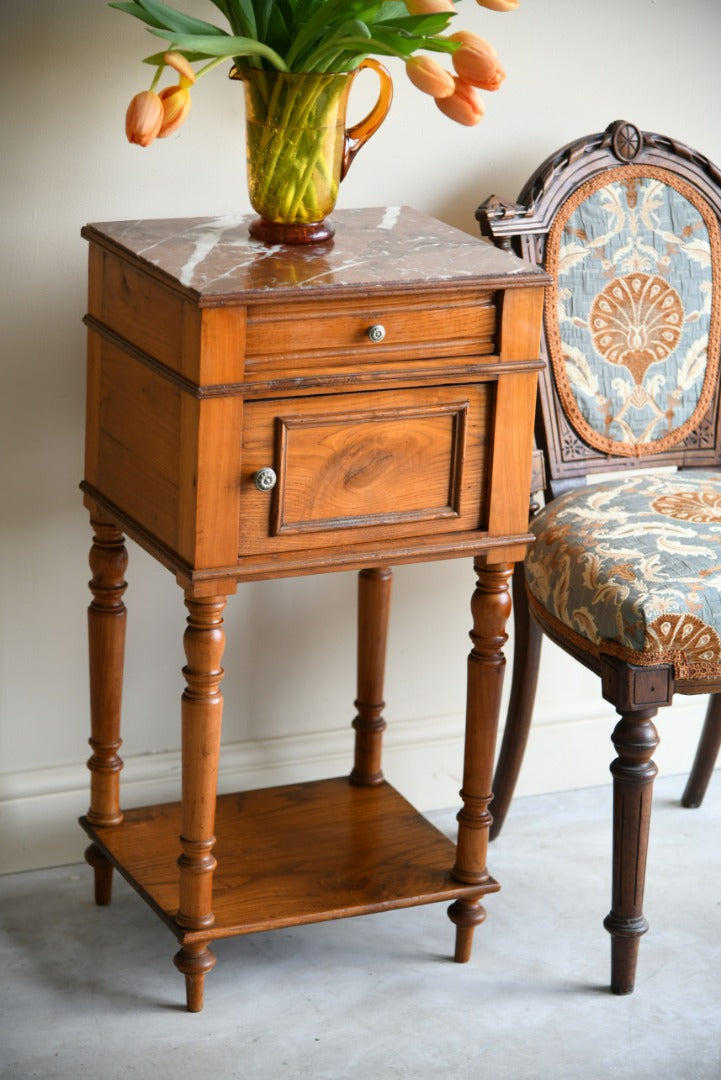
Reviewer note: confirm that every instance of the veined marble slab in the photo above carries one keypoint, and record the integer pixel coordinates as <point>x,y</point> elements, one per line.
<point>214,258</point>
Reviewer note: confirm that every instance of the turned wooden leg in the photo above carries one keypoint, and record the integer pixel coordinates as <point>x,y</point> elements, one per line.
<point>490,608</point>
<point>528,638</point>
<point>103,874</point>
<point>635,739</point>
<point>202,711</point>
<point>106,650</point>
<point>706,754</point>
<point>374,597</point>
<point>194,962</point>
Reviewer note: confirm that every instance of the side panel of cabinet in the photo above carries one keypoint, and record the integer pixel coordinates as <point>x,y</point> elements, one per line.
<point>168,460</point>
<point>133,438</point>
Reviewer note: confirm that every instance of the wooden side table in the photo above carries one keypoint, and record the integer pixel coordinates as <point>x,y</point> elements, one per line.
<point>258,412</point>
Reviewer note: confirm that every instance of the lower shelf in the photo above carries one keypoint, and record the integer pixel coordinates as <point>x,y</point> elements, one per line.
<point>295,854</point>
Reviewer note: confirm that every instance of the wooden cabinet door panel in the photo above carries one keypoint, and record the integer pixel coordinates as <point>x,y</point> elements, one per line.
<point>381,464</point>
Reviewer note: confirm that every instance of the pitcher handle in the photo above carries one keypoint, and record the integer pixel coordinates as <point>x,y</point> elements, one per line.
<point>361,132</point>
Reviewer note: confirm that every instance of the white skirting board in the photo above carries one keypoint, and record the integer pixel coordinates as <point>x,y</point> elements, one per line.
<point>422,759</point>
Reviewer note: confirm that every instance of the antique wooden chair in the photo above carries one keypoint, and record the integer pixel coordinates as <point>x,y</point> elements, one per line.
<point>625,573</point>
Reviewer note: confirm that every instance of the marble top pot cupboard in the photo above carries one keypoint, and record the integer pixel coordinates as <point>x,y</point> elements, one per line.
<point>259,412</point>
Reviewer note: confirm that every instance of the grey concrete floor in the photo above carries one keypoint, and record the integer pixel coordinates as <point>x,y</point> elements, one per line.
<point>91,992</point>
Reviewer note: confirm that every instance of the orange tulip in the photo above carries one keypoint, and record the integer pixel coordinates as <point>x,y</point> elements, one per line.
<point>476,62</point>
<point>429,7</point>
<point>177,61</point>
<point>499,5</point>
<point>428,75</point>
<point>175,101</point>
<point>463,105</point>
<point>144,118</point>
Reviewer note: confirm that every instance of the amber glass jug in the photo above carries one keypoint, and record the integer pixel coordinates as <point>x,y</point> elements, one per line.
<point>298,148</point>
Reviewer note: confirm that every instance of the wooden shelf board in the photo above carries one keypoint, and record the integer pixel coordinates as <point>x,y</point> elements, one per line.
<point>294,854</point>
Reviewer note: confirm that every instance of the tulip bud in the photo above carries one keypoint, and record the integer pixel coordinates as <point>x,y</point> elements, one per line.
<point>175,103</point>
<point>463,105</point>
<point>429,7</point>
<point>473,41</point>
<point>499,5</point>
<point>177,61</point>
<point>428,75</point>
<point>476,61</point>
<point>144,118</point>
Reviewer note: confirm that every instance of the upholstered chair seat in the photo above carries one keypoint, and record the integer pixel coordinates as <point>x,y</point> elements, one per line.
<point>632,568</point>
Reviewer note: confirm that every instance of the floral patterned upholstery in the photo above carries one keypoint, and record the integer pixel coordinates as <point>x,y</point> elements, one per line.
<point>633,317</point>
<point>632,567</point>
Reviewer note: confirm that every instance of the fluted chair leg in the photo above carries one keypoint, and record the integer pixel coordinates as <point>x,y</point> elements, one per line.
<point>526,659</point>
<point>706,754</point>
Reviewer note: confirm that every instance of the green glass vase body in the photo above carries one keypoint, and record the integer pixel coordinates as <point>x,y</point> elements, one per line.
<point>298,148</point>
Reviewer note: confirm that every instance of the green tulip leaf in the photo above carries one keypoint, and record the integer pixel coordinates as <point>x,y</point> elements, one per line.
<point>263,9</point>
<point>418,25</point>
<point>158,59</point>
<point>357,27</point>
<point>176,21</point>
<point>241,16</point>
<point>138,12</point>
<point>223,46</point>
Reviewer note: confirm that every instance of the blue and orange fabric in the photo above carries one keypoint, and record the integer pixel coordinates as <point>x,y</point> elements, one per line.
<point>632,566</point>
<point>634,324</point>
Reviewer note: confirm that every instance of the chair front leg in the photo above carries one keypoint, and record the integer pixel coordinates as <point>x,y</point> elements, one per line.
<point>636,691</point>
<point>635,739</point>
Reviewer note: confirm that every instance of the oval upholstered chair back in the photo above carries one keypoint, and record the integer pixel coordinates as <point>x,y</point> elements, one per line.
<point>627,223</point>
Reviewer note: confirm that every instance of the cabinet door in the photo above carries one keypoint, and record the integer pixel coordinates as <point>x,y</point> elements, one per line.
<point>365,466</point>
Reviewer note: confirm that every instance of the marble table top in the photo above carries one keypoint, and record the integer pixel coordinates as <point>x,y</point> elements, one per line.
<point>383,248</point>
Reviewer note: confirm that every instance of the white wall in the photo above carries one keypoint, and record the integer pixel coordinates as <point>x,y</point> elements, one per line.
<point>68,71</point>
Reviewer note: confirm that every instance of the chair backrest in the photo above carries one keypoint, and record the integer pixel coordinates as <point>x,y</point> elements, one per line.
<point>627,223</point>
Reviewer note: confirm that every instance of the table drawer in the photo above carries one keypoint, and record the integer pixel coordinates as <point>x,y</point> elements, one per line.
<point>367,332</point>
<point>364,465</point>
